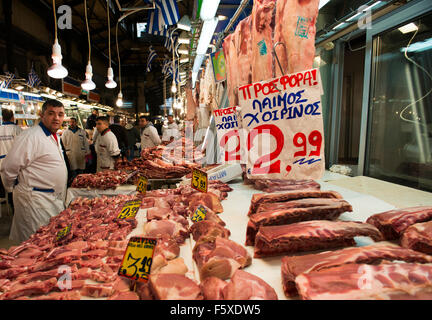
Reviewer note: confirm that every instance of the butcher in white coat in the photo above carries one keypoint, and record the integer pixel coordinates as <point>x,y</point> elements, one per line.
<point>36,170</point>
<point>106,145</point>
<point>149,135</point>
<point>77,147</point>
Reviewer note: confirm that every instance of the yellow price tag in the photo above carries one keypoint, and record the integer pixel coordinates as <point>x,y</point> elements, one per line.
<point>138,258</point>
<point>63,232</point>
<point>199,214</point>
<point>129,210</point>
<point>142,185</point>
<point>199,180</point>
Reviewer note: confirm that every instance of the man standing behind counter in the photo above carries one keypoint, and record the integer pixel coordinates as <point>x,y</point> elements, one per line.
<point>106,145</point>
<point>149,135</point>
<point>36,166</point>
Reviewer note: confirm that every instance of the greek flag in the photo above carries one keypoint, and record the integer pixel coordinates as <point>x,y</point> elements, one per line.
<point>168,42</point>
<point>9,77</point>
<point>151,57</point>
<point>166,13</point>
<point>33,78</point>
<point>167,67</point>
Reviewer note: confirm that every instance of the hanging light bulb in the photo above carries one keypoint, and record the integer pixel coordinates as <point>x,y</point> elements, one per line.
<point>110,84</point>
<point>119,101</point>
<point>173,88</point>
<point>88,83</point>
<point>56,71</point>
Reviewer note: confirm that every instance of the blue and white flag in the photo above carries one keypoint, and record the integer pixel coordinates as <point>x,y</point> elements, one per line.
<point>9,77</point>
<point>166,13</point>
<point>151,57</point>
<point>33,78</point>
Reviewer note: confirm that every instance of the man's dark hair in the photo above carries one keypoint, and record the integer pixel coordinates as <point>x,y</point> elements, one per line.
<point>116,119</point>
<point>52,103</point>
<point>103,118</point>
<point>144,117</point>
<point>7,115</point>
<point>73,118</point>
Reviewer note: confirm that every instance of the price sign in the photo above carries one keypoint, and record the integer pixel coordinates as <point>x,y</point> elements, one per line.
<point>219,65</point>
<point>142,185</point>
<point>229,136</point>
<point>129,210</point>
<point>138,258</point>
<point>199,214</point>
<point>63,232</point>
<point>282,120</point>
<point>199,180</point>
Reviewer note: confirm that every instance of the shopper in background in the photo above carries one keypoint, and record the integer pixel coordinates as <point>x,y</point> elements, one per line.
<point>91,120</point>
<point>170,132</point>
<point>76,146</point>
<point>149,134</point>
<point>120,133</point>
<point>35,168</point>
<point>133,137</point>
<point>106,145</point>
<point>8,132</point>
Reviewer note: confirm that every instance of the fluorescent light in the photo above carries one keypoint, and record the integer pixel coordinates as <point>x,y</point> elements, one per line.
<point>322,3</point>
<point>222,17</point>
<point>419,46</point>
<point>19,87</point>
<point>194,78</point>
<point>198,62</point>
<point>184,60</point>
<point>339,25</point>
<point>410,27</point>
<point>184,38</point>
<point>208,9</point>
<point>206,35</point>
<point>354,16</point>
<point>371,6</point>
<point>184,23</point>
<point>183,49</point>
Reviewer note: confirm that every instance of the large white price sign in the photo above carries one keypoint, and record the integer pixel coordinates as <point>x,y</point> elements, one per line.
<point>282,121</point>
<point>229,135</point>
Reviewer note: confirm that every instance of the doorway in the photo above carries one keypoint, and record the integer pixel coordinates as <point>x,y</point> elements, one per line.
<point>351,103</point>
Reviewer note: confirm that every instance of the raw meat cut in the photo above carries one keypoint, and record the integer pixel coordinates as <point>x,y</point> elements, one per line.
<point>301,210</point>
<point>292,266</point>
<point>209,230</point>
<point>158,228</point>
<point>176,266</point>
<point>107,179</point>
<point>262,43</point>
<point>310,236</point>
<point>67,295</point>
<point>246,286</point>
<point>210,215</point>
<point>208,199</point>
<point>394,222</point>
<point>173,287</point>
<point>388,281</point>
<point>276,185</point>
<point>296,28</point>
<point>244,49</point>
<point>229,49</point>
<point>212,288</point>
<point>260,198</point>
<point>220,258</point>
<point>29,289</point>
<point>418,237</point>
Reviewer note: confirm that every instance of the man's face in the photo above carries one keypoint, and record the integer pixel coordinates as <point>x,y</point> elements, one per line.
<point>122,123</point>
<point>95,112</point>
<point>73,123</point>
<point>101,126</point>
<point>52,118</point>
<point>170,119</point>
<point>142,123</point>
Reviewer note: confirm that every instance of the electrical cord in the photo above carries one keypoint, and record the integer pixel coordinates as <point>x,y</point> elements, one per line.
<point>88,31</point>
<point>425,71</point>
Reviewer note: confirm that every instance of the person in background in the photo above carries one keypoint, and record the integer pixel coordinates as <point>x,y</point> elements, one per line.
<point>133,137</point>
<point>106,145</point>
<point>8,132</point>
<point>91,120</point>
<point>76,146</point>
<point>36,169</point>
<point>149,134</point>
<point>120,133</point>
<point>170,132</point>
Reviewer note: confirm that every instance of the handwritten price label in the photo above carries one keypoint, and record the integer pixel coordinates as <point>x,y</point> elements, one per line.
<point>138,258</point>
<point>199,214</point>
<point>129,210</point>
<point>283,127</point>
<point>63,232</point>
<point>199,180</point>
<point>142,185</point>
